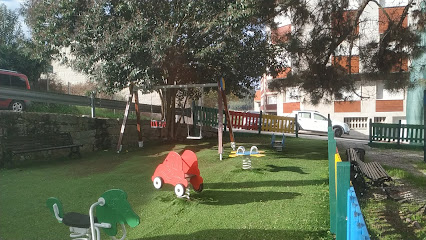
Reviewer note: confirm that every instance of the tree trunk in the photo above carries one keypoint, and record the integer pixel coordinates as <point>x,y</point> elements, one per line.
<point>170,111</point>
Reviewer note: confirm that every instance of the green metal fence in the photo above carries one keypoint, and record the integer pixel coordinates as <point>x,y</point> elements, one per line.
<point>396,133</point>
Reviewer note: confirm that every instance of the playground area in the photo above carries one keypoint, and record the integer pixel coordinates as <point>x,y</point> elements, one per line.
<point>283,196</point>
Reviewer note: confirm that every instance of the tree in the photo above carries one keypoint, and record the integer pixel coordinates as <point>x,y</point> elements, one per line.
<point>165,42</point>
<point>322,29</point>
<point>16,52</point>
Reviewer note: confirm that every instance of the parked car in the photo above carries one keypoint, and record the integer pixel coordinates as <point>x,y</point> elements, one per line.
<point>314,121</point>
<point>15,80</point>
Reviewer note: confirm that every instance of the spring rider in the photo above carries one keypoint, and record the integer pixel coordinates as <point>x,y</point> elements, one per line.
<point>112,208</point>
<point>179,171</point>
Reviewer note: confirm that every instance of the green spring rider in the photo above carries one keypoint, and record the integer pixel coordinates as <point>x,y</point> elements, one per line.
<point>112,208</point>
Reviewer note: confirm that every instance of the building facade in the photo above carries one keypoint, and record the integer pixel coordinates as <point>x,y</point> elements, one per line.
<point>377,103</point>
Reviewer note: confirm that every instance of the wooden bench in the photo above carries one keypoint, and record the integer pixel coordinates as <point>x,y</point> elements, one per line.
<point>373,171</point>
<point>15,145</point>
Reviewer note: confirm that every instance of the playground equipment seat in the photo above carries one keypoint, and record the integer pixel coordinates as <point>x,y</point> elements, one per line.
<point>178,171</point>
<point>112,208</point>
<point>278,145</point>
<point>241,151</point>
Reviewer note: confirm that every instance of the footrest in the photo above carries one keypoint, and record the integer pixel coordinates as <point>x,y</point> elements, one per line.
<point>79,220</point>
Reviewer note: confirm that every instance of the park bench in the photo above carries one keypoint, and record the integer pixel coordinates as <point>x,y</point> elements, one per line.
<point>14,145</point>
<point>373,171</point>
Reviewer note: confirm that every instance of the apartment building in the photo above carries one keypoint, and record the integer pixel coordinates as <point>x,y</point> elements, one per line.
<point>378,103</point>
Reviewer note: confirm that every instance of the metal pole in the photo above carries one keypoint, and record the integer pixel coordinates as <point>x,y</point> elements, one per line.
<point>297,126</point>
<point>186,86</point>
<point>69,88</point>
<point>92,104</point>
<point>220,123</point>
<point>260,122</point>
<point>138,119</point>
<point>370,131</point>
<point>398,132</point>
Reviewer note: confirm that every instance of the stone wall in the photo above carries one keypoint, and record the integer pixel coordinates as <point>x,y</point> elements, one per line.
<point>94,133</point>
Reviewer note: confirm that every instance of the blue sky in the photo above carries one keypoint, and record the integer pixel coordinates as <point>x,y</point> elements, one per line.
<point>14,5</point>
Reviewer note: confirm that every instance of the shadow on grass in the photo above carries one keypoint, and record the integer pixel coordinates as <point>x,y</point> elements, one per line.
<point>273,168</point>
<point>292,183</point>
<point>391,224</point>
<point>217,197</point>
<point>246,234</point>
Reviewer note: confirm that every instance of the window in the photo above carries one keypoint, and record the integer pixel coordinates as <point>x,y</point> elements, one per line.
<point>292,95</point>
<point>272,99</point>
<point>4,80</point>
<point>352,96</point>
<point>342,21</point>
<point>304,115</point>
<point>384,94</point>
<point>356,122</point>
<point>395,14</point>
<point>379,119</point>
<point>319,117</point>
<point>343,61</point>
<point>18,82</point>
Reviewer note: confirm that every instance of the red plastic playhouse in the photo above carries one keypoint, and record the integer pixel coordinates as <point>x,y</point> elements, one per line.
<point>178,171</point>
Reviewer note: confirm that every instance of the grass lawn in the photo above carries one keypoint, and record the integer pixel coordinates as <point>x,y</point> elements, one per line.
<point>388,219</point>
<point>284,196</point>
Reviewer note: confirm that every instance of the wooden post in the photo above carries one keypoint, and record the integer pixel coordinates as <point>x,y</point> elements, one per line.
<point>138,119</point>
<point>424,124</point>
<point>220,123</point>
<point>343,178</point>
<point>225,105</point>
<point>126,114</point>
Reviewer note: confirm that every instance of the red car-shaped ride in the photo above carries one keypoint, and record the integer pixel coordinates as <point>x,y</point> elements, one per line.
<point>178,171</point>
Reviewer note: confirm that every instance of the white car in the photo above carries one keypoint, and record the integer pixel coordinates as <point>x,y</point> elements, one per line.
<point>314,121</point>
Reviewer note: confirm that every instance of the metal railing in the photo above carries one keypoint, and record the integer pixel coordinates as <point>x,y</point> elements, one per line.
<point>66,99</point>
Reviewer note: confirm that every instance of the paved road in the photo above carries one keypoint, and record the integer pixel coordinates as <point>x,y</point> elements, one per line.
<point>344,142</point>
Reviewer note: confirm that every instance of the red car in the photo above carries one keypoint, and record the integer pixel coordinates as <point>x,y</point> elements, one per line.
<point>178,170</point>
<point>16,80</point>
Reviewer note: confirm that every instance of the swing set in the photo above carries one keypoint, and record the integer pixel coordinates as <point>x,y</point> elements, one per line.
<point>222,103</point>
<point>157,123</point>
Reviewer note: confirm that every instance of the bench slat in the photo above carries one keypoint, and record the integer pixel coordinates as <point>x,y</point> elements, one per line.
<point>372,170</point>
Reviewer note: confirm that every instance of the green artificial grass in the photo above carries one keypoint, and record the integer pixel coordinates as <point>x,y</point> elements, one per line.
<point>418,181</point>
<point>387,219</point>
<point>284,196</point>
